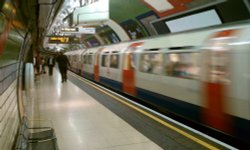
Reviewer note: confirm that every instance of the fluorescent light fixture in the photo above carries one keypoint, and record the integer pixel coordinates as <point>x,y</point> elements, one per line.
<point>199,20</point>
<point>94,13</point>
<point>160,5</point>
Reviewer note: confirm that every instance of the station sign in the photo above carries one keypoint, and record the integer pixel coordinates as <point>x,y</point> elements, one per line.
<point>58,39</point>
<point>87,30</point>
<point>80,30</point>
<point>68,30</point>
<point>64,40</point>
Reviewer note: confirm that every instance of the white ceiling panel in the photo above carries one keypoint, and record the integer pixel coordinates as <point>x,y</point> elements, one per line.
<point>46,1</point>
<point>44,14</point>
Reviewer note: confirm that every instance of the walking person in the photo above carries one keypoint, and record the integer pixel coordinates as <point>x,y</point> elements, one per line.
<point>51,64</point>
<point>43,65</point>
<point>63,64</point>
<point>37,64</point>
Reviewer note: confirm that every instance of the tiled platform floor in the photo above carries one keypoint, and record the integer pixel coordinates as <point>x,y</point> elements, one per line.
<point>80,122</point>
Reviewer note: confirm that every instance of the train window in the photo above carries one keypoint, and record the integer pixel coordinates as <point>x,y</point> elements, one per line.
<point>82,59</point>
<point>129,61</point>
<point>217,67</point>
<point>114,60</point>
<point>181,48</point>
<point>151,63</point>
<point>85,59</point>
<point>182,65</point>
<point>105,61</point>
<point>152,49</point>
<point>89,59</point>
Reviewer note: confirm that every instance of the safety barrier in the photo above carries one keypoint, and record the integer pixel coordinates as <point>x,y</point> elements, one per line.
<point>34,135</point>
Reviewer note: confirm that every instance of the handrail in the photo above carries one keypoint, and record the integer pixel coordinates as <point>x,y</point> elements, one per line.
<point>5,113</point>
<point>5,88</point>
<point>8,65</point>
<point>7,97</point>
<point>6,125</point>
<point>7,76</point>
<point>41,141</point>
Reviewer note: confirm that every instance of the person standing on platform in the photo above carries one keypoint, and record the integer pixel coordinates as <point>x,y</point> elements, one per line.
<point>43,65</point>
<point>63,64</point>
<point>37,64</point>
<point>51,64</point>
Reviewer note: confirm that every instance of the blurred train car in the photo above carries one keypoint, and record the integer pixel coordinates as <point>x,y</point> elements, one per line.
<point>201,75</point>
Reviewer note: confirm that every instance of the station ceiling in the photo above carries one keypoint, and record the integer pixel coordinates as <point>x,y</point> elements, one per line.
<point>136,18</point>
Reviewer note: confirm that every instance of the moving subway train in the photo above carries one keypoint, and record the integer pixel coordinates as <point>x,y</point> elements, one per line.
<point>200,75</point>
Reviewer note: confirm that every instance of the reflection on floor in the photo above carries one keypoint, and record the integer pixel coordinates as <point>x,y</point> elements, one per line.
<point>80,122</point>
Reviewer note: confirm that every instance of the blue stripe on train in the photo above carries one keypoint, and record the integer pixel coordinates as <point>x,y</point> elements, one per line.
<point>242,128</point>
<point>111,83</point>
<point>88,75</point>
<point>190,111</point>
<point>180,108</point>
<point>172,105</point>
<point>185,109</point>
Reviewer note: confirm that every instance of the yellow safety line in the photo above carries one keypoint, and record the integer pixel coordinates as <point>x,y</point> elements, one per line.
<point>153,117</point>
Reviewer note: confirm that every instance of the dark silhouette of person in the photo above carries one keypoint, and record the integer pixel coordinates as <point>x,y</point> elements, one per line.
<point>37,64</point>
<point>63,64</point>
<point>51,64</point>
<point>43,65</point>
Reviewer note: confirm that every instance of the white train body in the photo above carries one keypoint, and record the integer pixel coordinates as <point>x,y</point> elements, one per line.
<point>201,75</point>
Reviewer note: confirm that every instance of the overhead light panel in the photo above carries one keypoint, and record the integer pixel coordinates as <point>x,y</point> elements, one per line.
<point>95,13</point>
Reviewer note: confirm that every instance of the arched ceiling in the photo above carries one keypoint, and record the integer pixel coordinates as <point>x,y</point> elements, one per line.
<point>129,19</point>
<point>121,10</point>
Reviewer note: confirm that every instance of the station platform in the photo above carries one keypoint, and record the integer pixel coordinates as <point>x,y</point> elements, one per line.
<point>87,117</point>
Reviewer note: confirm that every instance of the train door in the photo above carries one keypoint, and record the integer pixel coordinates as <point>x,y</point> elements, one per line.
<point>128,72</point>
<point>96,65</point>
<point>216,79</point>
<point>81,62</point>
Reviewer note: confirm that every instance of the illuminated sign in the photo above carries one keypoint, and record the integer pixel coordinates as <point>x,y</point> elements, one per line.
<point>58,39</point>
<point>64,40</point>
<point>85,30</point>
<point>160,5</point>
<point>69,29</point>
<point>199,20</point>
